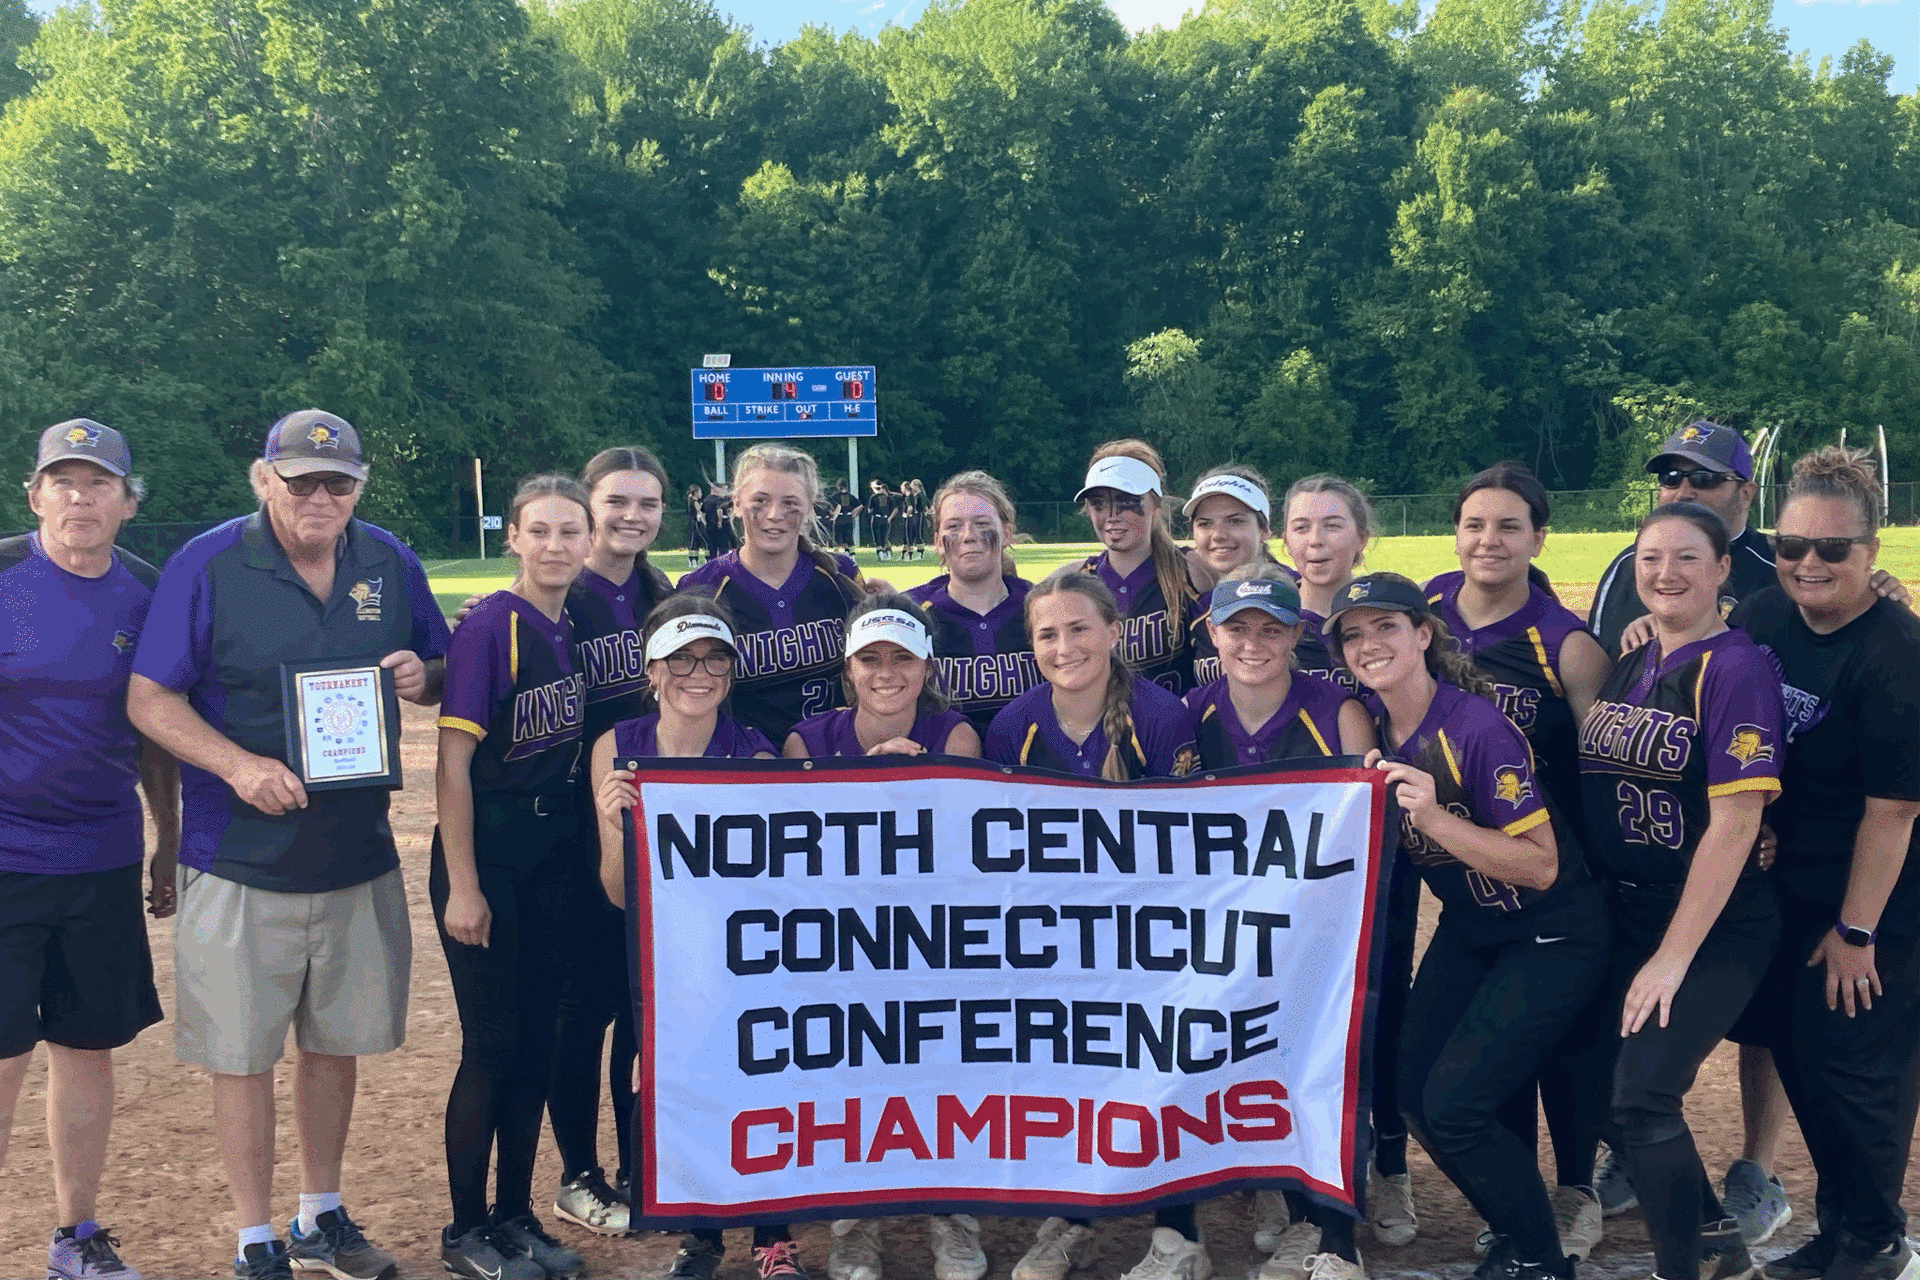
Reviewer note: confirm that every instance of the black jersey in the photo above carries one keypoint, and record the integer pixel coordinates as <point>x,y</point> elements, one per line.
<point>513,682</point>
<point>1161,652</point>
<point>1521,655</point>
<point>985,659</point>
<point>1313,656</point>
<point>791,638</point>
<point>1666,735</point>
<point>1307,724</point>
<point>607,617</point>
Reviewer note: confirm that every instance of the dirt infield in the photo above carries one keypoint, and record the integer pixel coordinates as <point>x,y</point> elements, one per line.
<point>166,1198</point>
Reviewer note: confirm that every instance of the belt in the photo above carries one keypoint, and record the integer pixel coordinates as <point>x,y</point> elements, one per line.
<point>540,806</point>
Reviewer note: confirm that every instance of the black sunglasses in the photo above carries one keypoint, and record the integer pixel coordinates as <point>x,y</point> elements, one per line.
<point>1832,550</point>
<point>1700,478</point>
<point>304,486</point>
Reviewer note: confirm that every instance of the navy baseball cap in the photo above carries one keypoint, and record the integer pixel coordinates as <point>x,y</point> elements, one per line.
<point>1375,591</point>
<point>1278,600</point>
<point>1709,444</point>
<point>85,440</point>
<point>313,440</point>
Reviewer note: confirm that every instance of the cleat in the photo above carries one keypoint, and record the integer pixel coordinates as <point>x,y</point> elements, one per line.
<point>1577,1217</point>
<point>1271,1219</point>
<point>1293,1254</point>
<point>1895,1262</point>
<point>1755,1201</point>
<point>856,1249</point>
<point>483,1254</point>
<point>525,1236</point>
<point>1390,1208</point>
<point>957,1254</point>
<point>263,1262</point>
<point>1809,1262</point>
<point>89,1257</point>
<point>1171,1256</point>
<point>1058,1248</point>
<point>337,1247</point>
<point>697,1260</point>
<point>1331,1266</point>
<point>781,1258</point>
<point>1614,1185</point>
<point>589,1202</point>
<point>1723,1253</point>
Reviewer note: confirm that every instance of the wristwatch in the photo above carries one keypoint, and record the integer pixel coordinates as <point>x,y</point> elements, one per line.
<point>1854,935</point>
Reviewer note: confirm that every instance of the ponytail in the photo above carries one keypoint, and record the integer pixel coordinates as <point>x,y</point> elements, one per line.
<point>1169,562</point>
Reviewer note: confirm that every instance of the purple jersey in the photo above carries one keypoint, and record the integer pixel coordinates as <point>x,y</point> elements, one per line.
<point>639,739</point>
<point>1307,724</point>
<point>1028,733</point>
<point>832,734</point>
<point>512,683</point>
<point>1156,645</point>
<point>69,757</point>
<point>1667,734</point>
<point>985,658</point>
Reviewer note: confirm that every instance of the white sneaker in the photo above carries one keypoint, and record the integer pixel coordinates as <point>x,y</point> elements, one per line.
<point>856,1249</point>
<point>957,1254</point>
<point>1331,1266</point>
<point>1295,1246</point>
<point>1577,1217</point>
<point>1171,1256</point>
<point>1390,1207</point>
<point>1270,1219</point>
<point>1058,1247</point>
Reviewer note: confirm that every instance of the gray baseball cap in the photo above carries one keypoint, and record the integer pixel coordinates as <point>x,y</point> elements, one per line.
<point>84,440</point>
<point>313,440</point>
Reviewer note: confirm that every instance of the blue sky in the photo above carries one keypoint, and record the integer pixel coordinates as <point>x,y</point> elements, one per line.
<point>1824,28</point>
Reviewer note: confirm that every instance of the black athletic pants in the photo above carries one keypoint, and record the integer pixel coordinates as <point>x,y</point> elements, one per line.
<point>506,994</point>
<point>594,994</point>
<point>1657,1065</point>
<point>1396,975</point>
<point>1854,1083</point>
<point>1481,1018</point>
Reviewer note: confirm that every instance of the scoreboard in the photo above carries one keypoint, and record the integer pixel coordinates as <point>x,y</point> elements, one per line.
<point>795,401</point>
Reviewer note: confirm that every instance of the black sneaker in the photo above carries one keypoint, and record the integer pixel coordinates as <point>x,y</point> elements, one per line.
<point>1895,1262</point>
<point>1723,1252</point>
<point>1809,1262</point>
<point>1499,1254</point>
<point>525,1235</point>
<point>267,1261</point>
<point>1560,1268</point>
<point>336,1247</point>
<point>481,1254</point>
<point>697,1260</point>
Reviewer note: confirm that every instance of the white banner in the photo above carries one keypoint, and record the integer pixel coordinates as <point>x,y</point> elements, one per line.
<point>893,986</point>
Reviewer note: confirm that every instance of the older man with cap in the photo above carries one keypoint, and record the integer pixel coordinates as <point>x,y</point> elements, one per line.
<point>292,911</point>
<point>75,970</point>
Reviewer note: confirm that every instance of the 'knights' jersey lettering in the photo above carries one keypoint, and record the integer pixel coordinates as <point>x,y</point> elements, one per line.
<point>512,682</point>
<point>1159,650</point>
<point>985,659</point>
<point>607,618</point>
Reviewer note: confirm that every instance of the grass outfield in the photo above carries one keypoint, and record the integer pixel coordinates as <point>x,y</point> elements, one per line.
<point>1570,558</point>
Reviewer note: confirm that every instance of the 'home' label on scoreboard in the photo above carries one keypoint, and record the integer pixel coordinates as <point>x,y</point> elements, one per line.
<point>771,404</point>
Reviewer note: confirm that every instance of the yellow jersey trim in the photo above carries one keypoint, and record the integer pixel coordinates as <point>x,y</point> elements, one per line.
<point>1026,747</point>
<point>1520,826</point>
<point>1743,784</point>
<point>464,726</point>
<point>1546,668</point>
<point>1453,764</point>
<point>513,647</point>
<point>1307,720</point>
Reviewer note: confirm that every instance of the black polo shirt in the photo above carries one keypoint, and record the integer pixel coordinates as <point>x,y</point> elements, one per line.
<point>229,610</point>
<point>1616,601</point>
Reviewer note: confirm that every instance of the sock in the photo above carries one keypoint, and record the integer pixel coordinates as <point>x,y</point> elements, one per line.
<point>262,1234</point>
<point>1180,1218</point>
<point>79,1231</point>
<point>312,1205</point>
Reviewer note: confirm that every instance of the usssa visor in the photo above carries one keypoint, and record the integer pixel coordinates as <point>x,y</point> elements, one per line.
<point>892,626</point>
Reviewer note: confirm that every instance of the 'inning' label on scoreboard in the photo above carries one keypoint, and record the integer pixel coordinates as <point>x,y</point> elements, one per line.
<point>761,404</point>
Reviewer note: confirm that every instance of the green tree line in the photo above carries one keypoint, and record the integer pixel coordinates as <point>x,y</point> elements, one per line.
<point>1306,234</point>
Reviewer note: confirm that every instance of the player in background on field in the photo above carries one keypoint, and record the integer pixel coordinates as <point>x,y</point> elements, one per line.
<point>1523,940</point>
<point>1155,586</point>
<point>1230,516</point>
<point>1678,757</point>
<point>1260,709</point>
<point>879,506</point>
<point>75,969</point>
<point>976,608</point>
<point>716,521</point>
<point>844,509</point>
<point>696,533</point>
<point>789,599</point>
<point>1840,1007</point>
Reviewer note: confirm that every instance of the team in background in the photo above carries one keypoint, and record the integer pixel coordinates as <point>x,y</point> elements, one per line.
<point>1686,818</point>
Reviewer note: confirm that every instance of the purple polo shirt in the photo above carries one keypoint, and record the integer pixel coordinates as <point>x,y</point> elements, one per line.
<point>832,734</point>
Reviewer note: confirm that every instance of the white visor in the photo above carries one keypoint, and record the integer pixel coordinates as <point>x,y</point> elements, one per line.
<point>1128,475</point>
<point>893,626</point>
<point>1240,489</point>
<point>683,631</point>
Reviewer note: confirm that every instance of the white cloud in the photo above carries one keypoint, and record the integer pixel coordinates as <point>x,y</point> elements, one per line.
<point>1138,15</point>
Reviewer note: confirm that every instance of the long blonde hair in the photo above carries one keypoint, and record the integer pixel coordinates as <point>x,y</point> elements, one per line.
<point>1169,562</point>
<point>1116,711</point>
<point>980,485</point>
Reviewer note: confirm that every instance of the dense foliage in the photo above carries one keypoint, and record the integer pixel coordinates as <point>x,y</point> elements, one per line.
<point>1326,234</point>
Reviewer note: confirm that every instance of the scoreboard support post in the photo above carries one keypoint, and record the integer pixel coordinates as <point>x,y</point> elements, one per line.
<point>720,461</point>
<point>853,481</point>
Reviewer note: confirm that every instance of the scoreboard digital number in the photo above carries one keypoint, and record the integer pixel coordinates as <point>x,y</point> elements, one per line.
<point>768,404</point>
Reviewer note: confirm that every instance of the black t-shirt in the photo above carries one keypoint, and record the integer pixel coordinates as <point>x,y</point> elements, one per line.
<point>879,505</point>
<point>713,512</point>
<point>1853,709</point>
<point>1616,602</point>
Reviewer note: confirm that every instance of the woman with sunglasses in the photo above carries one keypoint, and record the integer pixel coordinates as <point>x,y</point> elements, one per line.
<point>691,654</point>
<point>1678,757</point>
<point>1840,1008</point>
<point>894,707</point>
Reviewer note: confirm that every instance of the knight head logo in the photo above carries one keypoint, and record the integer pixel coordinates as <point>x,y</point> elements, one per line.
<point>360,591</point>
<point>123,640</point>
<point>1511,786</point>
<point>79,435</point>
<point>324,436</point>
<point>1694,433</point>
<point>365,595</point>
<point>1358,591</point>
<point>1749,745</point>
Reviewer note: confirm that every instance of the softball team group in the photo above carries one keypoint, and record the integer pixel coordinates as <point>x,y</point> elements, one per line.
<point>1628,851</point>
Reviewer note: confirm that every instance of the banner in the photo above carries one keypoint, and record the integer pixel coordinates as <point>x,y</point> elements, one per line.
<point>895,985</point>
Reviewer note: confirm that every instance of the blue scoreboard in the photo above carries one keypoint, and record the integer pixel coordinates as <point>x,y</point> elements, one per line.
<point>773,404</point>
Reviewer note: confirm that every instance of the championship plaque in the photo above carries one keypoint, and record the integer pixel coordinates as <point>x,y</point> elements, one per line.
<point>343,725</point>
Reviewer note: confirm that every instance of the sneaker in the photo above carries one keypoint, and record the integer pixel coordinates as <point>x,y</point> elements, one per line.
<point>856,1249</point>
<point>1507,1268</point>
<point>1171,1256</point>
<point>697,1260</point>
<point>1331,1266</point>
<point>1483,1243</point>
<point>957,1254</point>
<point>589,1202</point>
<point>1895,1262</point>
<point>264,1262</point>
<point>90,1257</point>
<point>1755,1201</point>
<point>1723,1252</point>
<point>1577,1217</point>
<point>1058,1247</point>
<point>1271,1218</point>
<point>1614,1187</point>
<point>337,1247</point>
<point>781,1258</point>
<point>1390,1207</point>
<point>1293,1253</point>
<point>524,1234</point>
<point>483,1254</point>
<point>1494,1261</point>
<point>1809,1262</point>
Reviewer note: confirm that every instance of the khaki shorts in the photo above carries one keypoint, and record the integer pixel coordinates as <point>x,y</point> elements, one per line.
<point>250,962</point>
